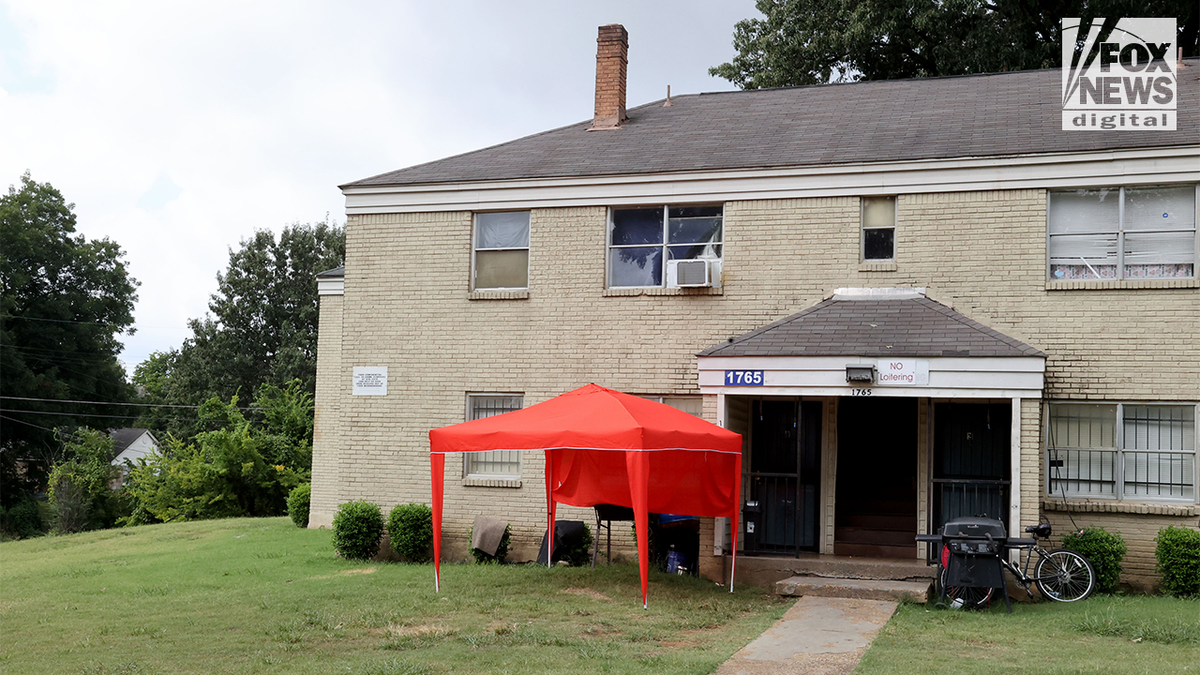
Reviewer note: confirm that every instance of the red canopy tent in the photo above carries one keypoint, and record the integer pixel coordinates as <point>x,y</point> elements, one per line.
<point>606,447</point>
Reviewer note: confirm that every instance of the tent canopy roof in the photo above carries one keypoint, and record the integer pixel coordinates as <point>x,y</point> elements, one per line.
<point>591,418</point>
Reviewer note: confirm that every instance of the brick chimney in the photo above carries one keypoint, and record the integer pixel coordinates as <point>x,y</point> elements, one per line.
<point>612,57</point>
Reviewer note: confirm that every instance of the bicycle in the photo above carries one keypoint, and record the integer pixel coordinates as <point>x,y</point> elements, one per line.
<point>1061,575</point>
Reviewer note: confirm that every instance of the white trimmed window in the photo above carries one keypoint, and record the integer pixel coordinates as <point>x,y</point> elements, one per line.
<point>500,255</point>
<point>1122,451</point>
<point>643,243</point>
<point>878,229</point>
<point>1123,233</point>
<point>505,464</point>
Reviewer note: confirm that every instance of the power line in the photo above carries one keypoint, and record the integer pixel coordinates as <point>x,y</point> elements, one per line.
<point>35,426</point>
<point>148,405</point>
<point>94,323</point>
<point>131,417</point>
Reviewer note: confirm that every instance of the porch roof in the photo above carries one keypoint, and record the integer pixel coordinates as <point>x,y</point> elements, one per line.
<point>875,323</point>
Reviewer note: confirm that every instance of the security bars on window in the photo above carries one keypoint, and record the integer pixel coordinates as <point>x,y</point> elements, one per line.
<point>1149,455</point>
<point>1123,233</point>
<point>493,463</point>
<point>641,240</point>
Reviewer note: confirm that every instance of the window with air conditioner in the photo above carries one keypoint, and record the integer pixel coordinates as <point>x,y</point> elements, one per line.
<point>1128,451</point>
<point>676,246</point>
<point>502,464</point>
<point>1123,233</point>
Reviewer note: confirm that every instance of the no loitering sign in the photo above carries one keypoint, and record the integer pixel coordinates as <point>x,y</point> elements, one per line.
<point>1118,75</point>
<point>902,373</point>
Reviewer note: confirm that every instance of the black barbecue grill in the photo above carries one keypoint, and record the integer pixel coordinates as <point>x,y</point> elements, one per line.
<point>969,554</point>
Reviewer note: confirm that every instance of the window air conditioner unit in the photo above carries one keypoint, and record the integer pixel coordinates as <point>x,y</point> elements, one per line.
<point>699,273</point>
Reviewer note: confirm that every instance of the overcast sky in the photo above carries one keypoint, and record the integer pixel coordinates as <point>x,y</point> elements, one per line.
<point>178,128</point>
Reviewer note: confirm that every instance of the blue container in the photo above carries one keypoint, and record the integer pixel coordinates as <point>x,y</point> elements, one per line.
<point>675,560</point>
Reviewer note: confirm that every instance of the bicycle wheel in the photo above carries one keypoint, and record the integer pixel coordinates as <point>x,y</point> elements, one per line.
<point>1065,576</point>
<point>965,597</point>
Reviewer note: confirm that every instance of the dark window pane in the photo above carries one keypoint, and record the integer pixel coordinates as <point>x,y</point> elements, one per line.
<point>697,230</point>
<point>637,226</point>
<point>695,212</point>
<point>879,244</point>
<point>635,266</point>
<point>693,251</point>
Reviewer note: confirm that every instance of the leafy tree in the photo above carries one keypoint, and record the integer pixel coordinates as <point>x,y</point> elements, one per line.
<point>800,42</point>
<point>262,328</point>
<point>238,469</point>
<point>63,302</point>
<point>81,491</point>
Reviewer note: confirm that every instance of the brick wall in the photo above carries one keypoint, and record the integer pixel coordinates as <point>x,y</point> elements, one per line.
<point>327,435</point>
<point>407,307</point>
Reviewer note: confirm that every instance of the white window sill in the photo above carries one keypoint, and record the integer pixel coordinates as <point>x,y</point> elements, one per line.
<point>1105,284</point>
<point>877,266</point>
<point>1086,505</point>
<point>498,295</point>
<point>492,482</point>
<point>623,292</point>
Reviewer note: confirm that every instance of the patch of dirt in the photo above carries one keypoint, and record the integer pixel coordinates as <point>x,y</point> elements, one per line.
<point>423,629</point>
<point>586,592</point>
<point>365,570</point>
<point>678,644</point>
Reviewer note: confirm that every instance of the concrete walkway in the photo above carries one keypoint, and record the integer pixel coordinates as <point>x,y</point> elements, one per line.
<point>817,636</point>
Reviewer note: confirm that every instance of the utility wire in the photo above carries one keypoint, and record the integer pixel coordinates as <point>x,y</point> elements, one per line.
<point>32,318</point>
<point>35,426</point>
<point>94,323</point>
<point>132,417</point>
<point>148,405</point>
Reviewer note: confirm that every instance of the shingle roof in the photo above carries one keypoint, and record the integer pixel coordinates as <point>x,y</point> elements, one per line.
<point>874,327</point>
<point>334,273</point>
<point>123,438</point>
<point>889,120</point>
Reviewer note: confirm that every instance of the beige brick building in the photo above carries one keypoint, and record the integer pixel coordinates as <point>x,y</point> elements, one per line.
<point>977,312</point>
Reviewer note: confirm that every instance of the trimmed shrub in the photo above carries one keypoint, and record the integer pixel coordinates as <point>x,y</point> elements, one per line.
<point>297,504</point>
<point>357,530</point>
<point>1178,555</point>
<point>1104,550</point>
<point>410,527</point>
<point>501,550</point>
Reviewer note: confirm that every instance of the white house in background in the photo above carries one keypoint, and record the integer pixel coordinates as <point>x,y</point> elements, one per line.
<point>130,445</point>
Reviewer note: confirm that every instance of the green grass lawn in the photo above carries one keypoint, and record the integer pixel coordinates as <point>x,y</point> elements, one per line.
<point>1103,634</point>
<point>262,596</point>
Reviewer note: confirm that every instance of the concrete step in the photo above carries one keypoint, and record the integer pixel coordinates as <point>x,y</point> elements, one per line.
<point>904,569</point>
<point>866,589</point>
<point>879,536</point>
<point>874,550</point>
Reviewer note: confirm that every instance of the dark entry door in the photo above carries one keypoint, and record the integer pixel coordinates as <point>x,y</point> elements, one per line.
<point>971,458</point>
<point>785,455</point>
<point>876,478</point>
